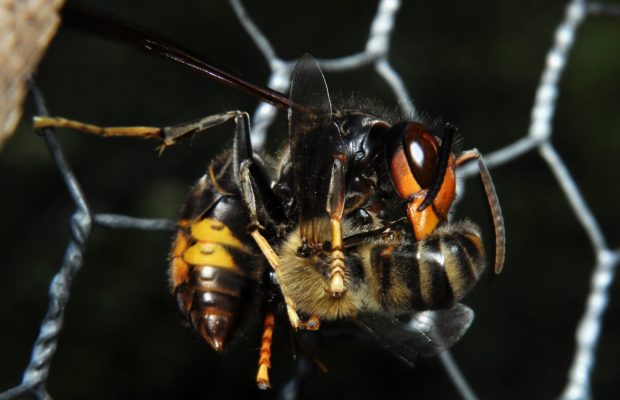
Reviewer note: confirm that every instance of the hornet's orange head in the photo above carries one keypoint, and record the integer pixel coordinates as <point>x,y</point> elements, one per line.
<point>422,166</point>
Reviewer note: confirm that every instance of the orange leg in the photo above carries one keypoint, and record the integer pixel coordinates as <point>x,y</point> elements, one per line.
<point>264,362</point>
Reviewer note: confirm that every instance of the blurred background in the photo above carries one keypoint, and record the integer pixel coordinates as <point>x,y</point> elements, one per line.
<point>475,64</point>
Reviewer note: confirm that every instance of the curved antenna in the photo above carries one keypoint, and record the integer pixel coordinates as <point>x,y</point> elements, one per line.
<point>496,212</point>
<point>78,18</point>
<point>493,201</point>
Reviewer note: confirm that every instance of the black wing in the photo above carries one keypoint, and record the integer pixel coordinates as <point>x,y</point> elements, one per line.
<point>427,334</point>
<point>313,137</point>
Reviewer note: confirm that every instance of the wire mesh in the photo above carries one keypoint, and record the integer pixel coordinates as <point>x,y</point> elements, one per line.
<point>378,54</point>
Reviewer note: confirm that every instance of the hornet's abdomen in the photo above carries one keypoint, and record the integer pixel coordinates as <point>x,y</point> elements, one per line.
<point>213,270</point>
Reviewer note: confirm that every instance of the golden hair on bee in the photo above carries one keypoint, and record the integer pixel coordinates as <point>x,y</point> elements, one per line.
<point>306,276</point>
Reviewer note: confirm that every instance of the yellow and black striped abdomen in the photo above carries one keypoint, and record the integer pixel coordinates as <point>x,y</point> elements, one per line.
<point>430,274</point>
<point>213,271</point>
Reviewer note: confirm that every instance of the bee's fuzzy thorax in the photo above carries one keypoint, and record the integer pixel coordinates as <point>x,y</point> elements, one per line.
<point>307,280</point>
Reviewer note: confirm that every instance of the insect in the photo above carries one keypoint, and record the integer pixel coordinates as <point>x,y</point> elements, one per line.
<point>315,229</point>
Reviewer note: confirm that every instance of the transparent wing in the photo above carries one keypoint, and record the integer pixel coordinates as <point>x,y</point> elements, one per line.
<point>309,89</point>
<point>313,137</point>
<point>428,333</point>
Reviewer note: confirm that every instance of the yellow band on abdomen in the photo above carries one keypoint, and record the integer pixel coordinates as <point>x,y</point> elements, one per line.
<point>213,231</point>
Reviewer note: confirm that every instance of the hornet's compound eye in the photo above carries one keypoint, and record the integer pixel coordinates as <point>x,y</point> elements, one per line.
<point>412,156</point>
<point>421,149</point>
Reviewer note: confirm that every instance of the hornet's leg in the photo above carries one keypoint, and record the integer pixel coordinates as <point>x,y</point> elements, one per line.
<point>335,209</point>
<point>264,362</point>
<point>169,135</point>
<point>247,195</point>
<point>242,154</point>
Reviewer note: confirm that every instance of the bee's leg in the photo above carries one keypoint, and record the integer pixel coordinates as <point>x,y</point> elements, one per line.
<point>248,198</point>
<point>493,201</point>
<point>264,362</point>
<point>169,135</point>
<point>335,209</point>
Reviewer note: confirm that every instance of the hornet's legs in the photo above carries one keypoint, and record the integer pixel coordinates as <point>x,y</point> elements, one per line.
<point>335,209</point>
<point>242,154</point>
<point>247,195</point>
<point>169,135</point>
<point>264,362</point>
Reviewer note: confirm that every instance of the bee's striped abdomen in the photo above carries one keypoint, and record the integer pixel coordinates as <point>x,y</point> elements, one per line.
<point>437,272</point>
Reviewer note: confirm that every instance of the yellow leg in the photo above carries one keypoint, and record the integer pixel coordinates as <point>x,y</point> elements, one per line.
<point>169,135</point>
<point>335,209</point>
<point>249,200</point>
<point>274,261</point>
<point>313,323</point>
<point>146,132</point>
<point>337,266</point>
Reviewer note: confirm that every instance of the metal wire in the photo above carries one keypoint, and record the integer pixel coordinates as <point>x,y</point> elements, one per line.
<point>37,371</point>
<point>539,137</point>
<point>456,376</point>
<point>115,221</point>
<point>376,51</point>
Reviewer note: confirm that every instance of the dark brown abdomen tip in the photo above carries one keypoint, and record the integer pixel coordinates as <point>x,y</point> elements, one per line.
<point>214,328</point>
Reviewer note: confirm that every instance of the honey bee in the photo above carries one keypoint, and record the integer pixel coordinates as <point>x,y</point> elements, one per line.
<point>314,228</point>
